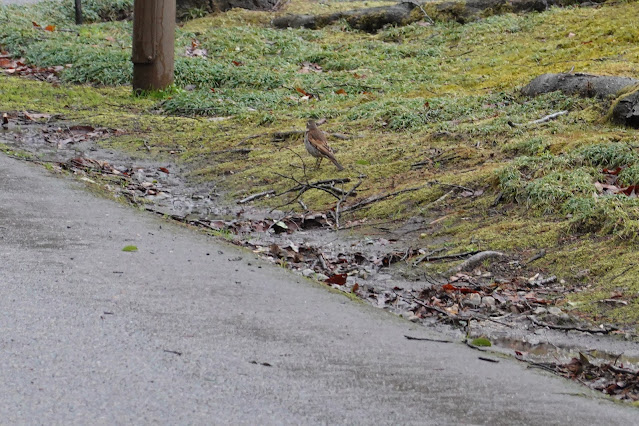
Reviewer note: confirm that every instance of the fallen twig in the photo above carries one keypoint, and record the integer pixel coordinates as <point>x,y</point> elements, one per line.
<point>425,256</point>
<point>474,260</point>
<point>428,339</point>
<point>452,185</point>
<point>287,134</point>
<point>551,279</point>
<point>541,366</point>
<point>470,345</point>
<point>541,120</point>
<point>232,150</point>
<point>424,12</point>
<point>537,256</point>
<point>621,273</point>
<point>376,198</point>
<point>256,196</point>
<point>281,136</point>
<point>342,198</point>
<point>323,185</point>
<point>248,138</point>
<point>432,203</point>
<point>451,256</point>
<point>433,308</point>
<point>488,359</point>
<point>570,328</point>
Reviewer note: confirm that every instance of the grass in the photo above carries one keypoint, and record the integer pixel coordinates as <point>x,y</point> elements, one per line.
<point>440,94</point>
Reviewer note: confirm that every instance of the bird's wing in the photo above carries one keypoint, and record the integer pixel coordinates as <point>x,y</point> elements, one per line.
<point>319,142</point>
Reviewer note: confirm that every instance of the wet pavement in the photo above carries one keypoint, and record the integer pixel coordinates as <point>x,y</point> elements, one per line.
<point>191,330</point>
<point>312,249</point>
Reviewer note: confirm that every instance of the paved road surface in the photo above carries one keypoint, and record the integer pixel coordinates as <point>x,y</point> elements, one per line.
<point>170,334</point>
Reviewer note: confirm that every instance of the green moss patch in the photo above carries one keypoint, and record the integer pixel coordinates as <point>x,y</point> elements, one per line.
<point>423,106</point>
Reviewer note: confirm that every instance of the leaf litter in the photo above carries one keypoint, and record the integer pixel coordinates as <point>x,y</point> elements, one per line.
<point>503,291</point>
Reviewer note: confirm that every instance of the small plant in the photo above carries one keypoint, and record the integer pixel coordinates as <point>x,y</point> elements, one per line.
<point>223,233</point>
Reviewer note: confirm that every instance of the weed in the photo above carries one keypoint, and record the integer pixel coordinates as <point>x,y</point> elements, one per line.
<point>418,104</point>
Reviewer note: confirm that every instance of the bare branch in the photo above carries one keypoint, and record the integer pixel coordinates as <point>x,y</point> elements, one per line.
<point>256,196</point>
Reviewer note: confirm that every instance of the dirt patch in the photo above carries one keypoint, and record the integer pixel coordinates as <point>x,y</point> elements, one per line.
<point>502,297</point>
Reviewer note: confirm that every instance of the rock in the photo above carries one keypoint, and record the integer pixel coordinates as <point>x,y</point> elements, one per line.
<point>321,277</point>
<point>412,317</point>
<point>488,301</point>
<point>540,311</point>
<point>555,311</point>
<point>626,110</point>
<point>308,272</point>
<point>185,6</point>
<point>585,85</point>
<point>474,300</point>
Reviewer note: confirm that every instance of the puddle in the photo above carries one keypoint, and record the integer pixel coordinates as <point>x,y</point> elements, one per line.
<point>375,261</point>
<point>561,354</point>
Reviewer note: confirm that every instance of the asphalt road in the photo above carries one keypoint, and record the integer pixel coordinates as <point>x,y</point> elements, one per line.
<point>178,332</point>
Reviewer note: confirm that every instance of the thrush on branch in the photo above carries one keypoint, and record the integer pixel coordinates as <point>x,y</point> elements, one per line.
<point>317,145</point>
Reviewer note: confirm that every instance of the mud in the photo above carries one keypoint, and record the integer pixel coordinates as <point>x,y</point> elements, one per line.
<point>376,262</point>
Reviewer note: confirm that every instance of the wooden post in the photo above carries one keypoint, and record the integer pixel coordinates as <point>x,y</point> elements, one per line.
<point>153,44</point>
<point>78,12</point>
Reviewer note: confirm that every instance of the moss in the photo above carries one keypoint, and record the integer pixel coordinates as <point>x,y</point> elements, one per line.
<point>629,175</point>
<point>422,104</point>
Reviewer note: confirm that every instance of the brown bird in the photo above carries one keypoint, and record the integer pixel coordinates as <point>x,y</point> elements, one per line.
<point>317,145</point>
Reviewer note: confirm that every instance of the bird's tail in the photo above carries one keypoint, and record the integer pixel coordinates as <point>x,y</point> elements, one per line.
<point>337,164</point>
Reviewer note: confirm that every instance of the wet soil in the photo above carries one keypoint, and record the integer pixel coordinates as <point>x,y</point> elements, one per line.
<point>504,299</point>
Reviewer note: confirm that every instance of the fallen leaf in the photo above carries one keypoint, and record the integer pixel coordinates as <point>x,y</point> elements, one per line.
<point>630,191</point>
<point>481,341</point>
<point>82,128</point>
<point>339,279</point>
<point>613,171</point>
<point>463,290</point>
<point>7,63</point>
<point>49,28</point>
<point>164,170</point>
<point>130,248</point>
<point>34,116</point>
<point>341,92</point>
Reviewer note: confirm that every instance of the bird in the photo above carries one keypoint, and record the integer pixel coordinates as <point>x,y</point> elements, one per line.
<point>317,145</point>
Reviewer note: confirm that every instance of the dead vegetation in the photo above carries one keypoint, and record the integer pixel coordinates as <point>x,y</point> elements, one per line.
<point>428,120</point>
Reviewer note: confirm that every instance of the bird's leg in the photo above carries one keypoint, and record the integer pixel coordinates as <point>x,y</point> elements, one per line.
<point>318,162</point>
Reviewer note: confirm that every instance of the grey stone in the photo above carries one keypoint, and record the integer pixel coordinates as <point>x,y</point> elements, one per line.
<point>474,299</point>
<point>488,301</point>
<point>555,311</point>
